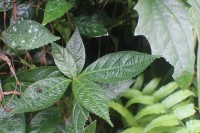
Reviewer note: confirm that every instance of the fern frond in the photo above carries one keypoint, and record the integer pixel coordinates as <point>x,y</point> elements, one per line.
<point>127,115</point>
<point>152,109</point>
<point>165,91</point>
<point>193,126</point>
<point>176,97</point>
<point>142,99</point>
<point>129,93</point>
<point>162,121</point>
<point>151,86</point>
<point>184,111</point>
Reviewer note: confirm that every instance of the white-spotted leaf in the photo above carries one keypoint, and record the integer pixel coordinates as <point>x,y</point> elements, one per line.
<point>27,35</point>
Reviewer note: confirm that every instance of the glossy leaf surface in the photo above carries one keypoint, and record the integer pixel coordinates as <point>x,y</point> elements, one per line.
<point>90,26</point>
<point>27,35</point>
<point>118,66</point>
<point>92,97</point>
<point>64,61</point>
<point>41,94</point>
<point>55,9</point>
<point>76,48</point>
<point>166,25</point>
<point>45,121</point>
<point>80,116</point>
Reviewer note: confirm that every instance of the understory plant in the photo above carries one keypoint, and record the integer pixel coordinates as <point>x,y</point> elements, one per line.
<point>65,64</point>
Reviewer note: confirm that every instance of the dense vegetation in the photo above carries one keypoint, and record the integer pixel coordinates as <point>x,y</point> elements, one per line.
<point>99,66</point>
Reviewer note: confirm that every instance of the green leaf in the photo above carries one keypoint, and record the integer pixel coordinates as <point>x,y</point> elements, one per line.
<point>55,9</point>
<point>12,124</point>
<point>118,66</point>
<point>24,12</point>
<point>133,130</point>
<point>151,86</point>
<point>165,90</point>
<point>193,125</point>
<point>64,61</point>
<point>41,94</point>
<point>80,116</point>
<point>184,111</point>
<point>8,4</point>
<point>76,48</point>
<point>166,25</point>
<point>91,128</point>
<point>28,77</point>
<point>152,109</point>
<point>27,35</point>
<point>142,99</point>
<point>92,97</point>
<point>176,97</point>
<point>122,111</point>
<point>64,30</point>
<point>90,26</point>
<point>70,125</point>
<point>45,121</point>
<point>162,121</point>
<point>114,90</point>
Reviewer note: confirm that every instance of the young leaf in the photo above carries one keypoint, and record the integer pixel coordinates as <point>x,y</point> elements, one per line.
<point>151,86</point>
<point>118,66</point>
<point>166,24</point>
<point>193,125</point>
<point>90,26</point>
<point>41,94</point>
<point>184,111</point>
<point>64,61</point>
<point>164,120</point>
<point>76,48</point>
<point>122,111</point>
<point>45,121</point>
<point>55,9</point>
<point>91,128</point>
<point>152,109</point>
<point>27,35</point>
<point>92,97</point>
<point>80,116</point>
<point>114,90</point>
<point>176,97</point>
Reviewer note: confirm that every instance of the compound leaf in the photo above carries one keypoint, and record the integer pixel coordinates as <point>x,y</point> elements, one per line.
<point>76,48</point>
<point>64,61</point>
<point>166,24</point>
<point>118,66</point>
<point>27,34</point>
<point>92,97</point>
<point>41,94</point>
<point>55,9</point>
<point>45,121</point>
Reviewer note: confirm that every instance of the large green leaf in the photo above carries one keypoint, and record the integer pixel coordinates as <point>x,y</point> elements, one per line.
<point>70,125</point>
<point>90,26</point>
<point>166,25</point>
<point>76,48</point>
<point>41,94</point>
<point>27,35</point>
<point>91,128</point>
<point>45,121</point>
<point>92,97</point>
<point>64,61</point>
<point>114,90</point>
<point>80,116</point>
<point>55,9</point>
<point>118,66</point>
